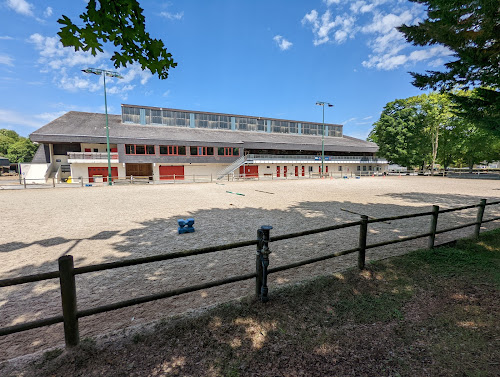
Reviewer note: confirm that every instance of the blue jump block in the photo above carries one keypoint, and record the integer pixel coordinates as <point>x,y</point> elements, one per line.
<point>185,226</point>
<point>358,177</point>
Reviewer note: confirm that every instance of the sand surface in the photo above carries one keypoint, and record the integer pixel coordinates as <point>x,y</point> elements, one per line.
<point>103,224</point>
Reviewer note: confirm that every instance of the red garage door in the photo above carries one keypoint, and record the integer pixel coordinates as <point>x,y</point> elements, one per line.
<point>168,172</point>
<point>102,171</point>
<point>249,170</point>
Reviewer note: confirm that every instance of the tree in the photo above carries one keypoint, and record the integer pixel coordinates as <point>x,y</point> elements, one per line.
<point>470,29</point>
<point>122,23</point>
<point>399,134</point>
<point>22,150</point>
<point>7,138</point>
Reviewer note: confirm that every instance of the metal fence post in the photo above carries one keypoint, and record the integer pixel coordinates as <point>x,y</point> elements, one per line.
<point>24,179</point>
<point>68,298</point>
<point>434,221</point>
<point>363,231</point>
<point>81,180</point>
<point>258,263</point>
<point>264,261</point>
<point>211,177</point>
<point>479,217</point>
<point>53,182</point>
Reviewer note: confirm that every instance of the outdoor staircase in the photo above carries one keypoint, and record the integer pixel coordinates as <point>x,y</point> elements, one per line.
<point>230,168</point>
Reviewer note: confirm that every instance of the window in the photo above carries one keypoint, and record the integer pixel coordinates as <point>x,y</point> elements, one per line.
<point>176,118</point>
<point>139,149</point>
<point>131,115</point>
<point>172,150</point>
<point>250,124</point>
<point>213,121</point>
<point>364,167</point>
<point>228,151</point>
<point>310,169</point>
<point>201,151</point>
<point>359,168</point>
<point>340,168</point>
<point>369,168</point>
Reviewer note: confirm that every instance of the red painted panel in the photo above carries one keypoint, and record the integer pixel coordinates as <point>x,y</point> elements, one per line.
<point>303,170</point>
<point>88,150</point>
<point>285,168</point>
<point>278,171</point>
<point>168,172</point>
<point>102,171</point>
<point>296,171</point>
<point>251,170</point>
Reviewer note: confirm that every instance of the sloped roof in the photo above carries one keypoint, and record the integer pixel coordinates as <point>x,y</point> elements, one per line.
<point>83,127</point>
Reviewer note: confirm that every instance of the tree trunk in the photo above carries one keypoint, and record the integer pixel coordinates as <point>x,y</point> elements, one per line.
<point>434,150</point>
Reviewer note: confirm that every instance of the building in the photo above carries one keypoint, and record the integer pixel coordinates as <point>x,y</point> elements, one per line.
<point>4,165</point>
<point>160,143</point>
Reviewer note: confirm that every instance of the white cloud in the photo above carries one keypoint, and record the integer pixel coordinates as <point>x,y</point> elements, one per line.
<point>9,117</point>
<point>5,38</point>
<point>330,2</point>
<point>49,117</point>
<point>368,117</point>
<point>322,27</point>
<point>385,23</point>
<point>282,43</point>
<point>172,16</point>
<point>21,7</point>
<point>7,60</point>
<point>349,120</point>
<point>166,93</point>
<point>48,12</point>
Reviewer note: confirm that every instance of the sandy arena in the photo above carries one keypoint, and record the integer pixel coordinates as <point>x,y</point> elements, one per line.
<point>103,224</point>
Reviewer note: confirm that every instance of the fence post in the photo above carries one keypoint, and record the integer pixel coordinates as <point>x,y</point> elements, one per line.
<point>479,217</point>
<point>53,182</point>
<point>68,298</point>
<point>211,178</point>
<point>194,178</point>
<point>363,231</point>
<point>434,221</point>
<point>81,180</point>
<point>131,179</point>
<point>258,263</point>
<point>264,261</point>
<point>24,179</point>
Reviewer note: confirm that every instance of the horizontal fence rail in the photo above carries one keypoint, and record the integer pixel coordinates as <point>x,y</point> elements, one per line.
<point>67,271</point>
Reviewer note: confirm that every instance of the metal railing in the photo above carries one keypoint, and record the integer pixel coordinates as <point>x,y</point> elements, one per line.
<point>310,158</point>
<point>67,271</point>
<point>92,156</point>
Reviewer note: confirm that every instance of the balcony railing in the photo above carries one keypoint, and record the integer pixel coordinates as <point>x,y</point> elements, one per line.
<point>92,156</point>
<point>310,158</point>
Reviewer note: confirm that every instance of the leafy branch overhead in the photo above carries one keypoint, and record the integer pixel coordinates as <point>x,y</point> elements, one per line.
<point>122,23</point>
<point>471,30</point>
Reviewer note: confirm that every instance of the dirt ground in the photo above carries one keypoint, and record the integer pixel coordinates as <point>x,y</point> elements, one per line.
<point>103,224</point>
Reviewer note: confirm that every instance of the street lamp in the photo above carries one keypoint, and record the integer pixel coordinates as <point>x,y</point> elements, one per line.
<point>321,103</point>
<point>105,73</point>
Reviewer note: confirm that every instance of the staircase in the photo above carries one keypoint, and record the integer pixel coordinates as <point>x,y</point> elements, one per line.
<point>230,168</point>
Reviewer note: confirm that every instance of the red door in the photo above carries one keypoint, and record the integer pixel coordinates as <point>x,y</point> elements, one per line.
<point>284,171</point>
<point>168,172</point>
<point>251,170</point>
<point>296,171</point>
<point>278,171</point>
<point>303,170</point>
<point>102,171</point>
<point>326,170</point>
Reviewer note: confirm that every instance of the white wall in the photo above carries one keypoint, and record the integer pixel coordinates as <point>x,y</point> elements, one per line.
<point>35,173</point>
<point>82,170</point>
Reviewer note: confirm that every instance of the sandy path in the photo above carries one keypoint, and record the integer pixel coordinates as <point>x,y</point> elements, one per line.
<point>102,224</point>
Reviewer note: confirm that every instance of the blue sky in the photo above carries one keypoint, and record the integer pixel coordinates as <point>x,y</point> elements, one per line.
<point>270,58</point>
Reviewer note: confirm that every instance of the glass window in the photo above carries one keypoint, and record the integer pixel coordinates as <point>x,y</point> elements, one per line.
<point>340,168</point>
<point>181,150</point>
<point>220,151</point>
<point>359,168</point>
<point>129,149</point>
<point>364,167</point>
<point>156,117</point>
<point>140,149</point>
<point>236,151</point>
<point>163,149</point>
<point>131,115</point>
<point>193,151</point>
<point>150,149</point>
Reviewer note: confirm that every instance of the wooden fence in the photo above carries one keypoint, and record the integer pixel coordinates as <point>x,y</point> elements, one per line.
<point>67,271</point>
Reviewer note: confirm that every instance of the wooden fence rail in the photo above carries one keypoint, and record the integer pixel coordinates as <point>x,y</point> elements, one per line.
<point>67,271</point>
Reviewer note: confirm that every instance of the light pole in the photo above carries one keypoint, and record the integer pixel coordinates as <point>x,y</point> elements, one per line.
<point>321,103</point>
<point>105,73</point>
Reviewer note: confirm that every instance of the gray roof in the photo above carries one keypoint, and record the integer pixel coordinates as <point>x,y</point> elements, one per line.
<point>83,127</point>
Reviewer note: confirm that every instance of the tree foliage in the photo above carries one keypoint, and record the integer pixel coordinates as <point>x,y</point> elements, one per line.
<point>16,148</point>
<point>122,23</point>
<point>470,29</point>
<point>422,130</point>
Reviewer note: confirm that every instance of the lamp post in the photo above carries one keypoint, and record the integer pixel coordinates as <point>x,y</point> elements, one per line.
<point>105,73</point>
<point>321,103</point>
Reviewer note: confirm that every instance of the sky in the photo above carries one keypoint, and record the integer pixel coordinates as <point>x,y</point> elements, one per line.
<point>267,58</point>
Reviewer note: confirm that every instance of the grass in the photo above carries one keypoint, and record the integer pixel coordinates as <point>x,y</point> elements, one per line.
<point>430,312</point>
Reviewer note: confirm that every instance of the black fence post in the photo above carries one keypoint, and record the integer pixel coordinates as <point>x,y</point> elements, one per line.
<point>434,222</point>
<point>479,217</point>
<point>363,231</point>
<point>68,298</point>
<point>264,261</point>
<point>24,180</point>
<point>258,263</point>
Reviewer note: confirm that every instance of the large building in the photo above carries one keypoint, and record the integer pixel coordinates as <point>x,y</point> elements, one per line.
<point>160,143</point>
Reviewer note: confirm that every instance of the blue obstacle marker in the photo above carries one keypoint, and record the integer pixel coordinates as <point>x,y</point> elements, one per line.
<point>185,226</point>
<point>358,177</point>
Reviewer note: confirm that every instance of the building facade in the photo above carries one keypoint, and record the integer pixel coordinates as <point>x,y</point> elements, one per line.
<point>161,144</point>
